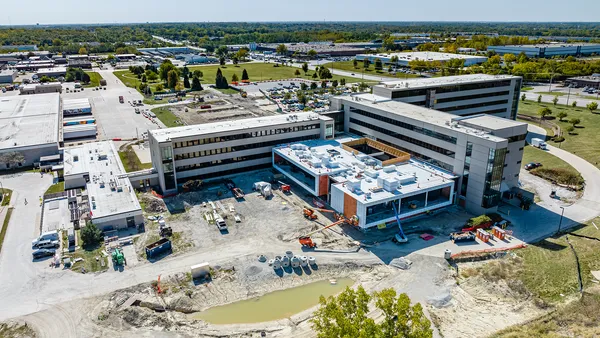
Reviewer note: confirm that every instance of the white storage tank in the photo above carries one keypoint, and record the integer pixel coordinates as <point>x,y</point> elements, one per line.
<point>276,264</point>
<point>295,262</point>
<point>312,261</point>
<point>285,261</point>
<point>200,270</point>
<point>303,261</point>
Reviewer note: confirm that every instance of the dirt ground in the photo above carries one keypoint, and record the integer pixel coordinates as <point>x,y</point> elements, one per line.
<point>223,108</point>
<point>478,304</point>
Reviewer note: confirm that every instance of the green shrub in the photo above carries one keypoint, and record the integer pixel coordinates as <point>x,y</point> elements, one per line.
<point>559,175</point>
<point>475,221</point>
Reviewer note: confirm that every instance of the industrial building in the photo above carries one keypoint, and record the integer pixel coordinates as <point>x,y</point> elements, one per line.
<point>585,81</point>
<point>73,107</point>
<point>8,75</point>
<point>53,72</point>
<point>366,179</point>
<point>112,201</point>
<point>41,88</point>
<point>224,148</point>
<point>29,126</point>
<point>483,151</point>
<point>548,50</point>
<point>459,95</point>
<point>405,58</point>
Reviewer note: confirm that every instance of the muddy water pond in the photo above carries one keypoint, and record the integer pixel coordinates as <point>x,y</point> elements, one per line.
<point>274,305</point>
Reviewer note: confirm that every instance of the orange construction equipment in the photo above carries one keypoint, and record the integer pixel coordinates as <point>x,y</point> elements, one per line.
<point>285,187</point>
<point>308,242</point>
<point>310,212</point>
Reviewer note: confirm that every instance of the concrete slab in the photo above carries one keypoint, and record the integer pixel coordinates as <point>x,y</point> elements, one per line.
<point>130,255</point>
<point>142,153</point>
<point>56,215</point>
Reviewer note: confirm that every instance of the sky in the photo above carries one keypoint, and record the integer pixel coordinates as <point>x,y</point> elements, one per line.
<point>134,11</point>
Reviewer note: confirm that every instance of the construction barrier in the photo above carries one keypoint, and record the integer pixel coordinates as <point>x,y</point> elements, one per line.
<point>490,250</point>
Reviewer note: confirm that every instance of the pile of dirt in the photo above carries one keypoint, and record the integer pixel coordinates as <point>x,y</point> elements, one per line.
<point>152,204</point>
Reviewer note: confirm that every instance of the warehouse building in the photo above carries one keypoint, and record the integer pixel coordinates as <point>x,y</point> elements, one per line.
<point>8,76</point>
<point>459,95</point>
<point>29,129</point>
<point>75,107</point>
<point>53,72</point>
<point>483,151</point>
<point>548,50</point>
<point>112,201</point>
<point>224,148</point>
<point>41,88</point>
<point>405,58</point>
<point>366,179</point>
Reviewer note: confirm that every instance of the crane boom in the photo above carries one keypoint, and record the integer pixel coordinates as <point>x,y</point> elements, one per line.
<point>325,228</point>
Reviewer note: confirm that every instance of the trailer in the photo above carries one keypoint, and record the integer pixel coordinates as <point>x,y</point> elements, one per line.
<point>538,143</point>
<point>462,236</point>
<point>158,248</point>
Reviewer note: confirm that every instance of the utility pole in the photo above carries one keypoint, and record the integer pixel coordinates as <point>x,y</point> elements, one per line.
<point>561,217</point>
<point>569,95</point>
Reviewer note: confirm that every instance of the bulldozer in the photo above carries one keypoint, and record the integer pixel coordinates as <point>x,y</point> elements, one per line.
<point>118,257</point>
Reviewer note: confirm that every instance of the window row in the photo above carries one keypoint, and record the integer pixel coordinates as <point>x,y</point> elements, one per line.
<point>405,125</point>
<point>472,86</point>
<point>470,97</point>
<point>241,136</point>
<point>222,162</point>
<point>474,105</point>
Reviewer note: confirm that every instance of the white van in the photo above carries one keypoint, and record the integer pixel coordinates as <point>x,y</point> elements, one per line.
<point>46,236</point>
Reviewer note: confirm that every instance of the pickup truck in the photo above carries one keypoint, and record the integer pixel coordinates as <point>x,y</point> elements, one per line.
<point>121,100</point>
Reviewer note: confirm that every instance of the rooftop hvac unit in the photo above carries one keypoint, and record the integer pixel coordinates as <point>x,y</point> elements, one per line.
<point>371,173</point>
<point>389,169</point>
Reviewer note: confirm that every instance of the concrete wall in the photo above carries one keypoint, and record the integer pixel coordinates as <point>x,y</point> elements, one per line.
<point>106,223</point>
<point>32,154</point>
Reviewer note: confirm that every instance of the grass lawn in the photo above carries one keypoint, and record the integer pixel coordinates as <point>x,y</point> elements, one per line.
<point>166,117</point>
<point>524,89</point>
<point>94,79</point>
<point>585,141</point>
<point>58,187</point>
<point>6,195</point>
<point>228,91</point>
<point>552,93</point>
<point>131,80</point>
<point>533,154</point>
<point>5,226</point>
<point>259,72</point>
<point>92,257</point>
<point>349,67</point>
<point>130,160</point>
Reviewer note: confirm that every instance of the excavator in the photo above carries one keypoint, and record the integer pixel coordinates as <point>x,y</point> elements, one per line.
<point>341,219</point>
<point>310,213</point>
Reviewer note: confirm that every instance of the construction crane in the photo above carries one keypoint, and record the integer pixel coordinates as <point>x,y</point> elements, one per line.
<point>341,219</point>
<point>310,212</point>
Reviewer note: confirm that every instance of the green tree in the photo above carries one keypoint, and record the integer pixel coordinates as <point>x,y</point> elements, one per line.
<point>555,100</point>
<point>363,86</point>
<point>523,97</point>
<point>570,130</point>
<point>179,87</point>
<point>305,68</point>
<point>144,78</point>
<point>185,71</point>
<point>302,98</point>
<point>82,51</point>
<point>186,81</point>
<point>172,78</point>
<point>314,76</point>
<point>303,86</point>
<point>366,63</point>
<point>281,49</point>
<point>12,159</point>
<point>346,316</point>
<point>196,85</point>
<point>378,64</point>
<point>509,58</point>
<point>297,72</point>
<point>160,87</point>
<point>592,106</point>
<point>324,73</point>
<point>85,78</point>
<point>574,104</point>
<point>91,235</point>
<point>164,69</point>
<point>312,53</point>
<point>220,80</point>
<point>400,319</point>
<point>242,54</point>
<point>245,76</point>
<point>235,60</point>
<point>313,85</point>
<point>235,78</point>
<point>539,99</point>
<point>355,63</point>
<point>394,60</point>
<point>389,43</point>
<point>222,61</point>
<point>334,83</point>
<point>561,115</point>
<point>343,82</point>
<point>222,51</point>
<point>574,121</point>
<point>543,112</point>
<point>323,84</point>
<point>198,74</point>
<point>110,57</point>
<point>287,95</point>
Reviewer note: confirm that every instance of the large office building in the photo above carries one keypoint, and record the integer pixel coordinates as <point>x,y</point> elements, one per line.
<point>29,129</point>
<point>463,95</point>
<point>224,148</point>
<point>406,57</point>
<point>548,50</point>
<point>366,180</point>
<point>483,151</point>
<point>97,168</point>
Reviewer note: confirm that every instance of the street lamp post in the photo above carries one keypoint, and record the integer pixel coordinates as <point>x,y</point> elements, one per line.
<point>561,218</point>
<point>569,95</point>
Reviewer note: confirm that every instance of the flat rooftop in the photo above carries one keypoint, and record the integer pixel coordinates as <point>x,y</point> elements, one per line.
<point>163,135</point>
<point>549,45</point>
<point>427,56</point>
<point>52,70</point>
<point>418,114</point>
<point>29,120</point>
<point>489,121</point>
<point>76,104</point>
<point>444,80</point>
<point>110,193</point>
<point>357,174</point>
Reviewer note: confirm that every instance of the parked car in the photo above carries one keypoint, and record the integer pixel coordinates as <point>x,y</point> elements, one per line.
<point>532,165</point>
<point>43,253</point>
<point>47,244</point>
